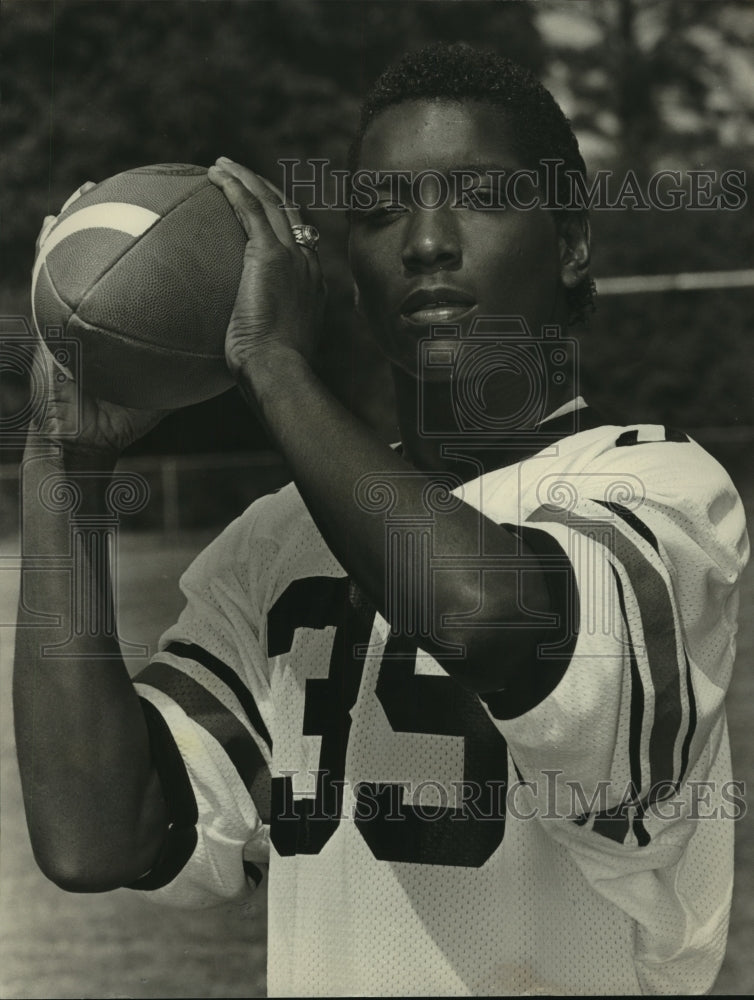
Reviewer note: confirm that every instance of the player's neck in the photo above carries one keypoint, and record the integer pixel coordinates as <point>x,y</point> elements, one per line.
<point>433,440</point>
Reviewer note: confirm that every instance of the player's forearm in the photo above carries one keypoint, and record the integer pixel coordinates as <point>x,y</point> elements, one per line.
<point>330,454</point>
<point>93,803</point>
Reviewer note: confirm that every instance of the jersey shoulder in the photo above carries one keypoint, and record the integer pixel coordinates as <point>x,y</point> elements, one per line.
<point>273,541</point>
<point>676,486</point>
<point>669,460</point>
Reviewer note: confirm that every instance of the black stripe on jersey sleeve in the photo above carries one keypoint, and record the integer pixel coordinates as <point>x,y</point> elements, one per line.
<point>555,643</point>
<point>656,607</point>
<point>692,720</point>
<point>191,651</point>
<point>619,830</point>
<point>636,715</point>
<point>649,536</point>
<point>210,713</point>
<point>615,823</point>
<point>180,840</point>
<point>633,521</point>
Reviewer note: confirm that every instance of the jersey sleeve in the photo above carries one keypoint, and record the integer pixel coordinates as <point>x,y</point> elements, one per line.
<point>624,754</point>
<point>208,709</point>
<point>643,584</point>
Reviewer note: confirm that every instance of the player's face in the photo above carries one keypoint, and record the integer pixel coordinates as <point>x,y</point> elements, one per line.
<point>417,266</point>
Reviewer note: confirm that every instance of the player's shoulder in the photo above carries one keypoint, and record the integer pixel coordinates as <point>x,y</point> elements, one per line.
<point>639,459</point>
<point>273,515</point>
<point>669,464</point>
<point>673,485</point>
<point>258,539</point>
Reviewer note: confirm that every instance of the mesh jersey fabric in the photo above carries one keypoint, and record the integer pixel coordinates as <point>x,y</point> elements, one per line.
<point>422,840</point>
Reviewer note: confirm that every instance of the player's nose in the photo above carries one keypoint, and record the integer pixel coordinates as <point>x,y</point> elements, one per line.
<point>432,240</point>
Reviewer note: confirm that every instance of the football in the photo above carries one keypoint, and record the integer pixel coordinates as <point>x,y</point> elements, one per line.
<point>142,273</point>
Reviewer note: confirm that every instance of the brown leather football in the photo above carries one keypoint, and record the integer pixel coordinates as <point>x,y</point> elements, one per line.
<point>143,271</point>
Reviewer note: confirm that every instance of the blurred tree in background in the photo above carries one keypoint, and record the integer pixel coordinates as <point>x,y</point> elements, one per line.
<point>650,85</point>
<point>92,88</point>
<point>656,81</point>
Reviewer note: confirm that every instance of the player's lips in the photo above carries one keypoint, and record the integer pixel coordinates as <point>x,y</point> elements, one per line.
<point>436,305</point>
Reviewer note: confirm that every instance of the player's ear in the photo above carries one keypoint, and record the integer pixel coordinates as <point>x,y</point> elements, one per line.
<point>574,238</point>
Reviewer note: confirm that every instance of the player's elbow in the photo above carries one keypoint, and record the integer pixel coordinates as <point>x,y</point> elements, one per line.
<point>493,659</point>
<point>72,877</point>
<point>87,871</point>
<point>95,860</point>
<point>72,870</point>
<point>497,649</point>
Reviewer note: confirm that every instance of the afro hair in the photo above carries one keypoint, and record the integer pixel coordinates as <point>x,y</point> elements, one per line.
<point>458,72</point>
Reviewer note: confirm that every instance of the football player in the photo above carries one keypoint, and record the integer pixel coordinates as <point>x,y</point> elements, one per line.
<point>456,698</point>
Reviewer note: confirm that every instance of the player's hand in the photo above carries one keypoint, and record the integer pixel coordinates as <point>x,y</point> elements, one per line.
<point>81,424</point>
<point>281,295</point>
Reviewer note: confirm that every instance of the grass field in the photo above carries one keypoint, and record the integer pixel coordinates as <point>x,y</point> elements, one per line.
<point>119,945</point>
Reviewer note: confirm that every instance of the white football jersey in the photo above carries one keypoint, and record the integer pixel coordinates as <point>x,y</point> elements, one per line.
<point>422,840</point>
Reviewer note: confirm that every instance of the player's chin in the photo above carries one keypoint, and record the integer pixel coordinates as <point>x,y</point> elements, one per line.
<point>411,363</point>
<point>414,355</point>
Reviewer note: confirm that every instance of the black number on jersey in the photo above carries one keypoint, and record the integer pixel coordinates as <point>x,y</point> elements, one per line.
<point>303,826</point>
<point>465,832</point>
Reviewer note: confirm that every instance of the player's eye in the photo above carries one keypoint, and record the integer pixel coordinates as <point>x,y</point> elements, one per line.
<point>483,198</point>
<point>383,212</point>
<point>389,208</point>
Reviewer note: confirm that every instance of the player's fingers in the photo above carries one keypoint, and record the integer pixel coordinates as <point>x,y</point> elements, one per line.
<point>247,207</point>
<point>274,202</point>
<point>269,201</point>
<point>292,213</point>
<point>294,219</point>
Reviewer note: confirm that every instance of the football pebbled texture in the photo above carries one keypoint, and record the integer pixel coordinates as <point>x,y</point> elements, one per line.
<point>142,272</point>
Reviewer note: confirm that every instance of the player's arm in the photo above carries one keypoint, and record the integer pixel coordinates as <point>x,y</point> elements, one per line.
<point>329,452</point>
<point>93,802</point>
